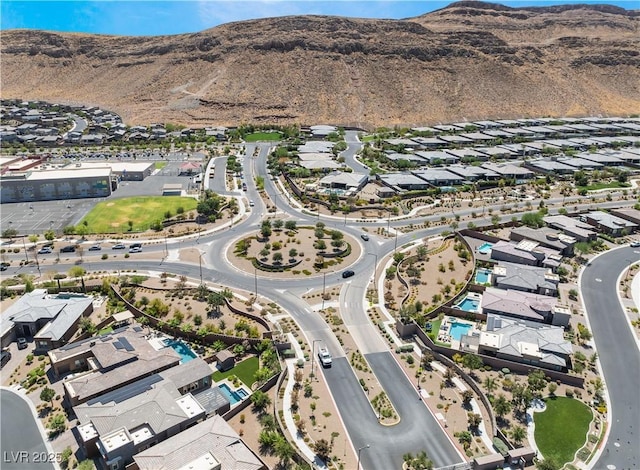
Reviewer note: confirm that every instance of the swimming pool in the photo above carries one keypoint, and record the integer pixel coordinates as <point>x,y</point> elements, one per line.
<point>468,305</point>
<point>181,348</point>
<point>485,248</point>
<point>482,276</point>
<point>233,396</point>
<point>458,329</point>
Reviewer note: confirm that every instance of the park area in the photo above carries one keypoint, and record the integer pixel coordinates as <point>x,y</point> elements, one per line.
<point>136,214</point>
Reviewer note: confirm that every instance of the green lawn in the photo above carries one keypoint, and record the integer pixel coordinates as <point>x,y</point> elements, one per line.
<point>113,216</point>
<point>562,428</point>
<point>259,136</point>
<point>160,165</point>
<point>244,370</point>
<point>611,185</point>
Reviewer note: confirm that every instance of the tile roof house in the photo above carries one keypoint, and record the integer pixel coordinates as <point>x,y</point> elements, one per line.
<point>525,342</point>
<point>117,425</point>
<point>609,223</point>
<point>573,227</point>
<point>525,278</point>
<point>545,236</point>
<point>105,363</point>
<point>211,444</point>
<point>51,319</point>
<point>524,305</point>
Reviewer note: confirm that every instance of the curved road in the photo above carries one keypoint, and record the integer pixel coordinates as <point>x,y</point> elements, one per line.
<point>22,445</point>
<point>619,356</point>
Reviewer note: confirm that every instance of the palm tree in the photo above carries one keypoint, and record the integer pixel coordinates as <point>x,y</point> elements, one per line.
<point>518,434</point>
<point>490,385</point>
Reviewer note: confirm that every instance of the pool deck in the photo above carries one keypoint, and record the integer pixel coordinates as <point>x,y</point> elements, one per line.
<point>444,335</point>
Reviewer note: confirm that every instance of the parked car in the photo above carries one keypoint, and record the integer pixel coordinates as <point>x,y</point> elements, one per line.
<point>22,343</point>
<point>68,249</point>
<point>347,273</point>
<point>5,356</point>
<point>135,248</point>
<point>45,250</point>
<point>118,246</point>
<point>324,357</point>
<point>365,237</point>
<point>95,248</point>
<point>4,266</point>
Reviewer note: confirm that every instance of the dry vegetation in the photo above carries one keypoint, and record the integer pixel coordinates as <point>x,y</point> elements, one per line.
<point>467,61</point>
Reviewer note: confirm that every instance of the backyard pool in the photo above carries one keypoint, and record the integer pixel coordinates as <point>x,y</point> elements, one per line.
<point>485,248</point>
<point>233,396</point>
<point>458,329</point>
<point>482,276</point>
<point>181,348</point>
<point>468,304</point>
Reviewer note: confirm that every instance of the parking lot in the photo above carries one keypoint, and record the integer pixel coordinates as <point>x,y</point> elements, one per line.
<point>38,217</point>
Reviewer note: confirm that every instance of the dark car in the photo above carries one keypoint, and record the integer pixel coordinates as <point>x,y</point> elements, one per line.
<point>4,266</point>
<point>118,246</point>
<point>347,273</point>
<point>5,356</point>
<point>22,343</point>
<point>68,249</point>
<point>365,237</point>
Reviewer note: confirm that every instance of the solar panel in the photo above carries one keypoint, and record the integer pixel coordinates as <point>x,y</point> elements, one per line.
<point>118,345</point>
<point>137,329</point>
<point>126,344</point>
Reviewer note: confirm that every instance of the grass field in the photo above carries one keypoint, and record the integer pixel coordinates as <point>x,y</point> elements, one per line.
<point>258,136</point>
<point>113,216</point>
<point>160,165</point>
<point>245,371</point>
<point>562,428</point>
<point>611,185</point>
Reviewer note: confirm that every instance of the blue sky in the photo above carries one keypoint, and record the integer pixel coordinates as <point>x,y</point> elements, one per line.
<point>173,17</point>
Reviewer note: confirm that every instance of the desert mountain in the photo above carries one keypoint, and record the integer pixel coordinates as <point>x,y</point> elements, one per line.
<point>470,60</point>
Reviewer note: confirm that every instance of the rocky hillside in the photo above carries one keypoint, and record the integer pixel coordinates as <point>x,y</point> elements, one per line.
<point>470,60</point>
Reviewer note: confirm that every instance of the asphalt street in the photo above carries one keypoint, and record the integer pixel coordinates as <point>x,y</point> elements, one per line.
<point>22,446</point>
<point>619,356</point>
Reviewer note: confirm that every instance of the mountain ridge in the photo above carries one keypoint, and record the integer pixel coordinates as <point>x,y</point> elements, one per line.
<point>469,60</point>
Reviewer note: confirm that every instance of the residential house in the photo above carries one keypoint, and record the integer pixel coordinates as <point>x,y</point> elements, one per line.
<point>524,305</point>
<point>522,341</point>
<point>435,157</point>
<point>117,425</point>
<point>630,214</point>
<point>439,177</point>
<point>525,278</point>
<point>51,319</point>
<point>526,252</point>
<point>545,236</point>
<point>108,362</point>
<point>345,181</point>
<point>473,173</point>
<point>571,226</point>
<point>406,181</point>
<point>211,444</point>
<point>609,223</point>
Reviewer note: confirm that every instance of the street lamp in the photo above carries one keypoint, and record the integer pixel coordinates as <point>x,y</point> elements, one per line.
<point>24,245</point>
<point>255,275</point>
<point>200,263</point>
<point>360,450</point>
<point>313,353</point>
<point>324,285</point>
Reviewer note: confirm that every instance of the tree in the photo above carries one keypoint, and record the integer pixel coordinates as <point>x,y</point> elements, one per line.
<point>495,220</point>
<point>87,326</point>
<point>321,245</point>
<point>265,230</point>
<point>33,239</point>
<point>322,448</point>
<point>533,219</point>
<point>421,252</point>
<point>501,406</point>
<point>82,230</point>
<point>76,271</point>
<point>49,235</point>
<point>290,225</point>
<point>260,401</point>
<point>9,233</point>
<point>465,438</point>
<point>583,332</point>
<point>278,224</point>
<point>264,252</point>
<point>474,420</point>
<point>521,397</point>
<point>537,381</point>
<point>47,394</point>
<point>518,434</point>
<point>284,451</point>
<point>216,300</point>
<point>293,253</point>
<point>472,362</point>
<point>467,396</point>
<point>490,385</point>
<point>277,257</point>
<point>552,387</point>
<point>426,360</point>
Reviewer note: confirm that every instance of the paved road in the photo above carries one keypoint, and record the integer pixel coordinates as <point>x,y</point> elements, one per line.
<point>619,356</point>
<point>21,443</point>
<point>353,147</point>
